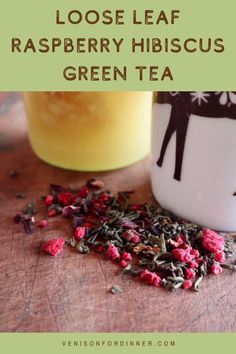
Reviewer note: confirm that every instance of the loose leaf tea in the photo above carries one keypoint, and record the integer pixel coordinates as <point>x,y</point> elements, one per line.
<point>21,195</point>
<point>13,174</point>
<point>26,218</point>
<point>115,289</point>
<point>144,240</point>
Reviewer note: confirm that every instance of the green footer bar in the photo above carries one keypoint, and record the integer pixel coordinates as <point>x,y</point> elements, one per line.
<point>103,343</point>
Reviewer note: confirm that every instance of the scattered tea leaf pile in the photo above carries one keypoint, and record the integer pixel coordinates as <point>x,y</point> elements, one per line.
<point>144,240</point>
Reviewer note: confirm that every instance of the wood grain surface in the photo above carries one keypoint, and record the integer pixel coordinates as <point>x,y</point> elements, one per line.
<point>70,293</point>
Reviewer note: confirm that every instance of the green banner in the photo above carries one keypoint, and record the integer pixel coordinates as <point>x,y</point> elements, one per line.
<point>120,45</point>
<point>103,343</point>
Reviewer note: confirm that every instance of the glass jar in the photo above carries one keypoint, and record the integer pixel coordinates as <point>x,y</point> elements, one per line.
<point>193,169</point>
<point>89,131</point>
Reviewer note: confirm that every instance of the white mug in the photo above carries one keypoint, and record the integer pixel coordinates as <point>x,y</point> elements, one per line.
<point>193,170</point>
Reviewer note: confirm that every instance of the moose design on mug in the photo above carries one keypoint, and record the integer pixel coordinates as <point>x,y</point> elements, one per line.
<point>211,105</point>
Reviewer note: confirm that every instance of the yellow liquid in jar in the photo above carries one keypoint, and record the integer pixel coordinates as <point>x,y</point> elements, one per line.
<point>89,131</point>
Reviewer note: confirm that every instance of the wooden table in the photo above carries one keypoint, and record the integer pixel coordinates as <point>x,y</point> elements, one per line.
<point>70,293</point>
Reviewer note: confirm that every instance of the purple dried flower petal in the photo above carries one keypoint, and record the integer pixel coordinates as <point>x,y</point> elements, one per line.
<point>56,188</point>
<point>70,211</point>
<point>78,221</point>
<point>125,222</point>
<point>95,183</point>
<point>26,220</point>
